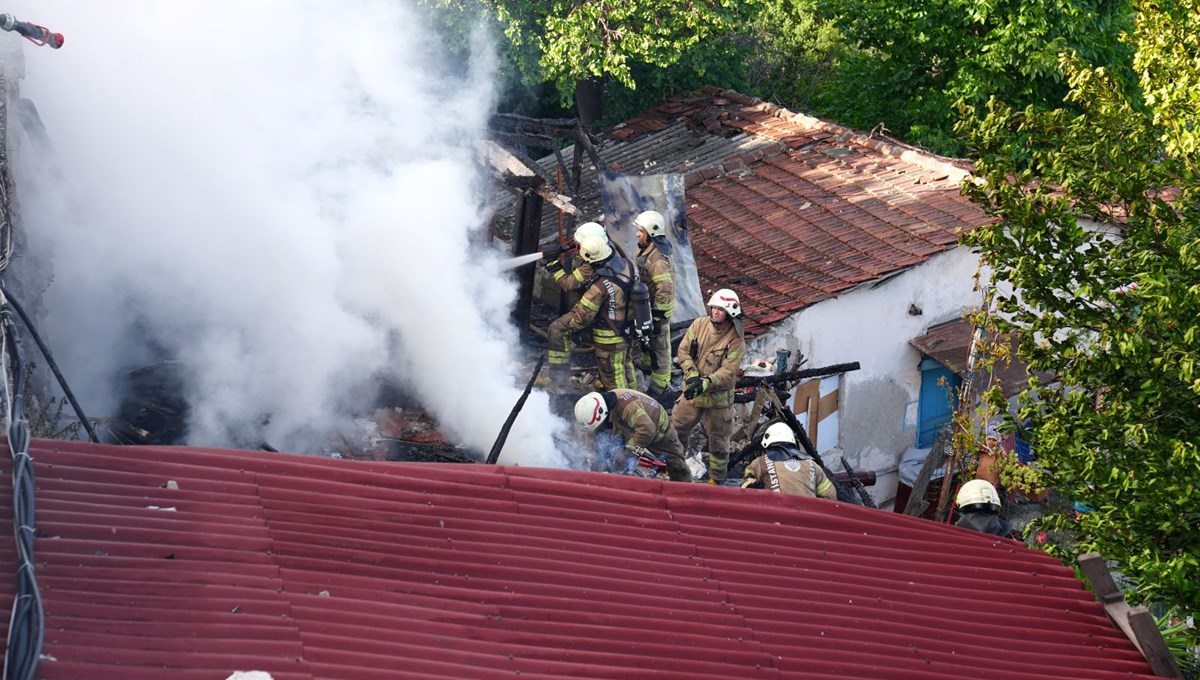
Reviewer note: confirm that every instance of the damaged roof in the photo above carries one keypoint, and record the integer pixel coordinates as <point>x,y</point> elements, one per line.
<point>785,208</point>
<point>949,343</point>
<point>194,563</point>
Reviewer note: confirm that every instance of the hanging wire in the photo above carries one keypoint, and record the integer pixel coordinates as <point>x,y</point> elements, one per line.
<point>27,624</point>
<point>62,382</point>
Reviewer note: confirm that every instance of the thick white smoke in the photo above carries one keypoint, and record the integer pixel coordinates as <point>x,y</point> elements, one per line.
<point>283,195</point>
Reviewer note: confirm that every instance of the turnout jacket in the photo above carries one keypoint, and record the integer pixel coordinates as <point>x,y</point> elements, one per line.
<point>604,306</point>
<point>786,471</point>
<point>985,522</point>
<point>655,270</point>
<point>638,418</point>
<point>580,274</point>
<point>718,357</point>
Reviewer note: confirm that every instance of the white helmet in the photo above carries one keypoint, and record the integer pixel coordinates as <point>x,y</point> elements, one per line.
<point>652,221</point>
<point>590,229</point>
<point>591,411</point>
<point>978,494</point>
<point>779,433</point>
<point>594,249</point>
<point>728,300</point>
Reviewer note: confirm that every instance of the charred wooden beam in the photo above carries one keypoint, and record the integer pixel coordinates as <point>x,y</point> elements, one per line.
<point>527,234</point>
<point>864,477</point>
<point>525,139</point>
<point>565,124</point>
<point>792,376</point>
<point>518,174</point>
<point>498,446</point>
<point>584,138</point>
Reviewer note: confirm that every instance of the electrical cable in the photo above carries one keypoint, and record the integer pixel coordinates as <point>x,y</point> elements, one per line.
<point>62,382</point>
<point>27,624</point>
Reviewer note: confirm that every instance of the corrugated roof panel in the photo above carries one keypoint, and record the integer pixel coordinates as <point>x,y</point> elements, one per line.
<point>313,568</point>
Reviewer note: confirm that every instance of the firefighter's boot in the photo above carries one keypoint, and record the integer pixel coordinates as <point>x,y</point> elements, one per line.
<point>556,379</point>
<point>718,465</point>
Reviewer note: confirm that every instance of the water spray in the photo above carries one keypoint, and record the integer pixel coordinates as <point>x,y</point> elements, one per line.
<point>38,35</point>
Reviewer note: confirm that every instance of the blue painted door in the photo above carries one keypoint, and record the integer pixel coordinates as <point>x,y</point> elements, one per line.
<point>939,396</point>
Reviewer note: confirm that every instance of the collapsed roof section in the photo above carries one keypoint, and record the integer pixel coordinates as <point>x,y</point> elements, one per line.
<point>787,209</point>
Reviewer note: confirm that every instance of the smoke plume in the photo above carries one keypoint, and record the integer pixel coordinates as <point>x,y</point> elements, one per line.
<point>281,194</point>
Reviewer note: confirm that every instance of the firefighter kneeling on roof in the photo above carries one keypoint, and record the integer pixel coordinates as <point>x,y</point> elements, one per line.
<point>640,420</point>
<point>787,469</point>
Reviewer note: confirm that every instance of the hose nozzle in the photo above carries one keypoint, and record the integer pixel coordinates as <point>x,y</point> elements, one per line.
<point>38,35</point>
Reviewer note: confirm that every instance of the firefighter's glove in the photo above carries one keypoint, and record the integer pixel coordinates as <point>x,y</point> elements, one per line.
<point>553,266</point>
<point>694,387</point>
<point>658,315</point>
<point>553,251</point>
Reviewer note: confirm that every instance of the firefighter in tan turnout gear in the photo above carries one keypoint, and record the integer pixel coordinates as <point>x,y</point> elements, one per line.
<point>640,420</point>
<point>710,356</point>
<point>787,469</point>
<point>654,267</point>
<point>582,272</point>
<point>604,308</point>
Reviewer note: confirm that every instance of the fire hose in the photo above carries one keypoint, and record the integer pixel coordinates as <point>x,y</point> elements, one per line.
<point>38,35</point>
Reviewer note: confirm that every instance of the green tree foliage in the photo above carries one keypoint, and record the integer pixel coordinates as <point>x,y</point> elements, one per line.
<point>639,51</point>
<point>583,39</point>
<point>793,53</point>
<point>914,61</point>
<point>783,53</point>
<point>1111,306</point>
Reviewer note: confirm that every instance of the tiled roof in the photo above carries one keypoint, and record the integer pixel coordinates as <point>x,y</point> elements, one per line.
<point>785,208</point>
<point>188,563</point>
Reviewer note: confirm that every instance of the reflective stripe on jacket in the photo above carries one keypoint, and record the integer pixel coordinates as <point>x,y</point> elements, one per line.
<point>642,421</point>
<point>655,270</point>
<point>788,474</point>
<point>603,308</point>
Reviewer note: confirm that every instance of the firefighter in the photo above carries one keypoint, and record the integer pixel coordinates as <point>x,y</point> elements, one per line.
<point>604,308</point>
<point>979,508</point>
<point>641,421</point>
<point>710,356</point>
<point>582,272</point>
<point>787,469</point>
<point>654,268</point>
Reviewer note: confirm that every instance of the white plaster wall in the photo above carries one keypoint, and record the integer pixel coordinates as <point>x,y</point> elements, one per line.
<point>877,406</point>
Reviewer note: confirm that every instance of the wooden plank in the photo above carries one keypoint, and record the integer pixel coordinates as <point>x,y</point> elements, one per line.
<point>1136,622</point>
<point>1149,639</point>
<point>1096,571</point>
<point>504,163</point>
<point>510,169</point>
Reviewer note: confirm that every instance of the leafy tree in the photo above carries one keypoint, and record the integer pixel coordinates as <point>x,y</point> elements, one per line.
<point>782,53</point>
<point>914,61</point>
<point>1111,306</point>
<point>578,45</point>
<point>793,53</point>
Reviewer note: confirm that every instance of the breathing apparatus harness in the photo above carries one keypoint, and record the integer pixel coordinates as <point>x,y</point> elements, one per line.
<point>637,326</point>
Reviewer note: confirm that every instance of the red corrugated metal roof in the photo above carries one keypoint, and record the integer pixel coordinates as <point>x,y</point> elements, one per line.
<point>821,210</point>
<point>314,568</point>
